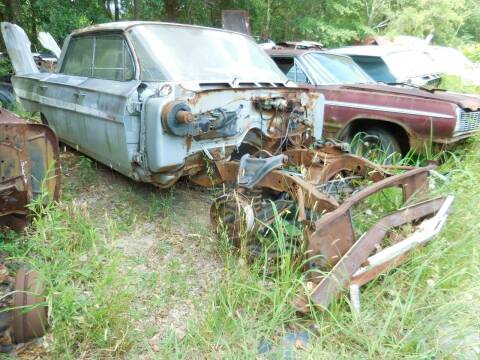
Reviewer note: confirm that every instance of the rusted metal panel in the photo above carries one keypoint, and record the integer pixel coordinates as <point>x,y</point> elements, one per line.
<point>29,165</point>
<point>359,250</point>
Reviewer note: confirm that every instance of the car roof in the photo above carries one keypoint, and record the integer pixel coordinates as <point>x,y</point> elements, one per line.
<point>125,25</point>
<point>372,50</point>
<point>290,51</point>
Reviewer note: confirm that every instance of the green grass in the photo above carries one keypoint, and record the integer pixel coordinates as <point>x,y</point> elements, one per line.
<point>88,292</point>
<point>455,84</point>
<point>425,309</point>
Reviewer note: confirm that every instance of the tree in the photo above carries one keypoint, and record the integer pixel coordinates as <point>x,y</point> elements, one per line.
<point>14,6</point>
<point>136,9</point>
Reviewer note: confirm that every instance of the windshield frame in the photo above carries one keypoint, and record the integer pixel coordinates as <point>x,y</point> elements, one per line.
<point>274,77</point>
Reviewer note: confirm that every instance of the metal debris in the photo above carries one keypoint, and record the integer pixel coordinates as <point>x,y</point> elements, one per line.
<point>29,165</point>
<point>23,313</point>
<point>316,190</point>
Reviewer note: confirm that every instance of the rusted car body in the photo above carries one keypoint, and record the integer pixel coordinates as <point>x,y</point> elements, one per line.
<point>406,117</point>
<point>29,167</point>
<point>140,107</point>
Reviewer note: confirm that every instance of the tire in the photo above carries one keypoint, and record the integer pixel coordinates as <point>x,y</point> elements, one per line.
<point>6,96</point>
<point>376,144</point>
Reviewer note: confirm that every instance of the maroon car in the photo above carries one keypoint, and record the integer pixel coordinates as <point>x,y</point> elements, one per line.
<point>394,118</point>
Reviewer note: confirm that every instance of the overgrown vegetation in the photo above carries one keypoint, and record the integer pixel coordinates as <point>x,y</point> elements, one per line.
<point>421,310</point>
<point>332,22</point>
<point>88,292</point>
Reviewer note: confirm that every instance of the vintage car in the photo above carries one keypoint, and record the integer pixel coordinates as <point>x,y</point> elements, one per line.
<point>396,119</point>
<point>154,100</point>
<point>394,64</point>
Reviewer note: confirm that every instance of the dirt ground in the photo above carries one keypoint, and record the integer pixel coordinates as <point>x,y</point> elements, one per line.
<point>165,235</point>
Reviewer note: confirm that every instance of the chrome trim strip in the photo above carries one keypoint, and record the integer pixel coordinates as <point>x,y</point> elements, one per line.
<point>388,109</point>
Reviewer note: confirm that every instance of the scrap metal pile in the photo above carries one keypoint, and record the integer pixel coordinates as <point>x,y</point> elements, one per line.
<point>316,190</point>
<point>29,159</point>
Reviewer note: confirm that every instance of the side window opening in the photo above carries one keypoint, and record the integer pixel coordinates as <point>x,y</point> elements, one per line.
<point>297,75</point>
<point>106,57</point>
<point>291,69</point>
<point>79,57</point>
<point>375,67</point>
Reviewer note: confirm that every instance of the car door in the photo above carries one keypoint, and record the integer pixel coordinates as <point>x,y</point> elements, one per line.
<point>95,82</point>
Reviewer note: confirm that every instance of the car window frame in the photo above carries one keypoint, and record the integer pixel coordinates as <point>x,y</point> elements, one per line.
<point>298,64</point>
<point>126,43</point>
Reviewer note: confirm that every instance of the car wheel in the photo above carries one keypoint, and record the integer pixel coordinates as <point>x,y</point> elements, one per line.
<point>6,98</point>
<point>376,144</point>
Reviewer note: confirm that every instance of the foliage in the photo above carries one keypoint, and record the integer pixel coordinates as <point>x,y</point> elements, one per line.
<point>454,83</point>
<point>472,51</point>
<point>442,17</point>
<point>332,22</point>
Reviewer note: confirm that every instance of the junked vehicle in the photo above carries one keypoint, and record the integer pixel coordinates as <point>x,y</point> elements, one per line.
<point>394,64</point>
<point>452,62</point>
<point>449,60</point>
<point>128,95</point>
<point>389,118</point>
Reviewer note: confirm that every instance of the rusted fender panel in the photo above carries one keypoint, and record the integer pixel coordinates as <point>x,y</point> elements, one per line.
<point>29,164</point>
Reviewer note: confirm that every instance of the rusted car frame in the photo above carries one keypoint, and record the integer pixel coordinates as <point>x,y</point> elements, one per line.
<point>331,246</point>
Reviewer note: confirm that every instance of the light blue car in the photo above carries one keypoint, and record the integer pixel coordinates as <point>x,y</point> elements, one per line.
<point>157,101</point>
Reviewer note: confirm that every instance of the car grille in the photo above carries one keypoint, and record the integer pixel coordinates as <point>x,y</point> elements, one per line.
<point>469,121</point>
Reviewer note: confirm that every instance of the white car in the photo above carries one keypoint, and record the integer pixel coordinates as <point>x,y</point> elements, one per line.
<point>393,64</point>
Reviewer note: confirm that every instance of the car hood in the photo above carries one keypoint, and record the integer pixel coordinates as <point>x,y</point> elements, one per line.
<point>465,101</point>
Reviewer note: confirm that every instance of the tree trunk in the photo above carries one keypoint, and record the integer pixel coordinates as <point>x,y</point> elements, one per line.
<point>136,9</point>
<point>117,10</point>
<point>171,10</point>
<point>33,24</point>
<point>14,11</point>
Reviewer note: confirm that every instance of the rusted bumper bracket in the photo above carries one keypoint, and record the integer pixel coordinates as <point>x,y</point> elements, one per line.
<point>349,269</point>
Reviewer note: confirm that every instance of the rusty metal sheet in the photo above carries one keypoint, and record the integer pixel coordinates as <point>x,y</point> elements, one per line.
<point>359,251</point>
<point>29,164</point>
<point>334,233</point>
<point>296,188</point>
